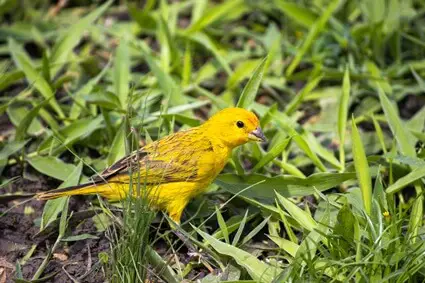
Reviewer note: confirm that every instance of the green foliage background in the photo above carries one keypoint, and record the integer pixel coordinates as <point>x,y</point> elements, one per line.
<point>336,194</point>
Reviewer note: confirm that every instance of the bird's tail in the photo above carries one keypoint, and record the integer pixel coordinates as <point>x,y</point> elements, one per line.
<point>84,189</point>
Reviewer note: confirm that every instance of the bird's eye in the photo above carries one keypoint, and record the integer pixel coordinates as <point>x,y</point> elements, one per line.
<point>240,124</point>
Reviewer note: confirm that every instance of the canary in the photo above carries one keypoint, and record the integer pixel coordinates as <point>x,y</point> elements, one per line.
<point>175,168</point>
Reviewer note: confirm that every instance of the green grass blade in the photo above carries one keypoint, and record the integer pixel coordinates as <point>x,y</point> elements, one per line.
<point>121,72</point>
<point>238,234</point>
<point>53,207</point>
<point>23,61</point>
<point>257,269</point>
<point>416,174</point>
<point>399,131</point>
<point>302,16</point>
<point>250,91</point>
<point>314,31</point>
<point>287,186</point>
<point>342,115</point>
<point>222,225</point>
<point>118,147</point>
<point>302,217</point>
<point>28,119</point>
<point>66,44</point>
<point>168,86</point>
<point>362,168</point>
<point>379,133</point>
<point>415,222</point>
<point>213,14</point>
<point>255,231</point>
<point>299,97</point>
<point>271,154</point>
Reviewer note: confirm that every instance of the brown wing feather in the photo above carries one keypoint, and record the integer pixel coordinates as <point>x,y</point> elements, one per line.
<point>153,160</point>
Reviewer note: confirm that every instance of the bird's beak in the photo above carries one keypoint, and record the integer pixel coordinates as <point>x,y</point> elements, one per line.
<point>257,135</point>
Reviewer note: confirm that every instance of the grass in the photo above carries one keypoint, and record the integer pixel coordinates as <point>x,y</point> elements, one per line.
<point>336,195</point>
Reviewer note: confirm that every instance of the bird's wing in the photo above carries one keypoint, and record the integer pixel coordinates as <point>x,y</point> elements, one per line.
<point>172,159</point>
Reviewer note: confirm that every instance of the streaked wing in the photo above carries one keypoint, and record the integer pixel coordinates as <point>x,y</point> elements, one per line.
<point>172,159</point>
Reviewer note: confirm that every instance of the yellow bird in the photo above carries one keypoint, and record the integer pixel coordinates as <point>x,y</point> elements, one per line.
<point>175,168</point>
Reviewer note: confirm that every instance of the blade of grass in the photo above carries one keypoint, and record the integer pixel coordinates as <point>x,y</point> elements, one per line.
<point>399,131</point>
<point>414,175</point>
<point>302,217</point>
<point>64,46</point>
<point>362,168</point>
<point>271,154</point>
<point>53,207</point>
<point>213,14</point>
<point>23,62</point>
<point>298,99</point>
<point>257,269</point>
<point>342,115</point>
<point>251,88</point>
<point>314,31</point>
<point>121,72</point>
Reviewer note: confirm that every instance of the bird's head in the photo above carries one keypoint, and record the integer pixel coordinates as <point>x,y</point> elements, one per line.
<point>235,126</point>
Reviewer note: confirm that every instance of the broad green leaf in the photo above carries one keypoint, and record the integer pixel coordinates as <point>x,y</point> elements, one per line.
<point>257,269</point>
<point>53,207</point>
<point>66,43</point>
<point>314,31</point>
<point>121,72</point>
<point>416,174</point>
<point>398,129</point>
<point>51,166</point>
<point>250,91</point>
<point>23,62</point>
<point>287,186</point>
<point>362,168</point>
